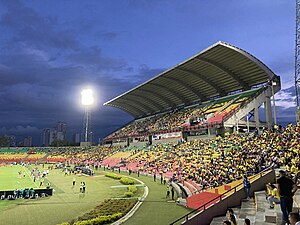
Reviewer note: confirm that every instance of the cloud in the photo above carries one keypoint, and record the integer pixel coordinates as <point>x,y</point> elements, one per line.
<point>29,27</point>
<point>286,106</point>
<point>141,73</point>
<point>109,35</point>
<point>19,129</point>
<point>92,56</point>
<point>51,49</point>
<point>285,98</point>
<point>21,132</point>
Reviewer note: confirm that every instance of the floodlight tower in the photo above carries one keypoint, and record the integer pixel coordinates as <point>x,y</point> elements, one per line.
<point>297,58</point>
<point>87,100</point>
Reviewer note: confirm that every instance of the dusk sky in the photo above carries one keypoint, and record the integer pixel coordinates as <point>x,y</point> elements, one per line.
<point>52,49</point>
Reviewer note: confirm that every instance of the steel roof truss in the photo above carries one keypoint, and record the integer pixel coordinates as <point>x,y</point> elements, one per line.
<point>173,92</point>
<point>204,79</point>
<point>160,97</point>
<point>188,86</point>
<point>140,103</point>
<point>225,70</point>
<point>151,101</point>
<point>132,106</point>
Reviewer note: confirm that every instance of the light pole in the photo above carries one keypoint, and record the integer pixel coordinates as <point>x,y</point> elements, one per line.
<point>273,83</point>
<point>87,99</point>
<point>248,129</point>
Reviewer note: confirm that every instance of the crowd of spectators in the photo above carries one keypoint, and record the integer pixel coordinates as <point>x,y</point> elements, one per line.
<point>70,155</point>
<point>83,155</point>
<point>215,162</point>
<point>164,122</point>
<point>210,163</point>
<point>180,118</point>
<point>18,155</point>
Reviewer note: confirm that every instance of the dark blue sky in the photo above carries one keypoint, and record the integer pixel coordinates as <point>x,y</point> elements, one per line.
<point>51,49</point>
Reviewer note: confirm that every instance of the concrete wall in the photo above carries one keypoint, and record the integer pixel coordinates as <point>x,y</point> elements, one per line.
<point>139,143</point>
<point>120,144</point>
<point>167,140</point>
<point>200,137</point>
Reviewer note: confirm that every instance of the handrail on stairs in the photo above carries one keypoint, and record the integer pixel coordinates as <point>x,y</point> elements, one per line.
<point>204,206</point>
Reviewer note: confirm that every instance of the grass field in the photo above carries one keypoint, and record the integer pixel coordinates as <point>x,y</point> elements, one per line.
<point>9,178</point>
<point>68,203</point>
<point>156,209</point>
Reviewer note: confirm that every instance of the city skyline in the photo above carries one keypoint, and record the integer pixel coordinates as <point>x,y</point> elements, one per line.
<point>51,50</point>
<point>48,136</point>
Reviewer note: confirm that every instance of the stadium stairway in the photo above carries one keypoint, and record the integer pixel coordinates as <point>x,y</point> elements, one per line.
<point>255,211</point>
<point>186,192</point>
<point>195,186</point>
<point>190,186</point>
<point>44,158</point>
<point>258,211</point>
<point>24,159</point>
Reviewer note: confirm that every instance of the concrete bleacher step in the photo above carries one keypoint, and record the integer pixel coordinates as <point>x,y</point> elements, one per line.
<point>263,212</point>
<point>45,157</point>
<point>279,214</point>
<point>237,211</point>
<point>219,219</point>
<point>259,211</point>
<point>186,190</point>
<point>247,210</point>
<point>296,204</point>
<point>190,187</point>
<point>262,223</point>
<point>196,186</point>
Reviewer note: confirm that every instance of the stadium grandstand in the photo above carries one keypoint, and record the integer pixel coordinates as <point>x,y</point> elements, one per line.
<point>222,89</point>
<point>186,133</point>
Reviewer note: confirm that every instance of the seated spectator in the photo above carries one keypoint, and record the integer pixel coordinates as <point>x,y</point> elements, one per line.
<point>247,221</point>
<point>232,219</point>
<point>273,197</point>
<point>226,222</point>
<point>294,218</point>
<point>231,216</point>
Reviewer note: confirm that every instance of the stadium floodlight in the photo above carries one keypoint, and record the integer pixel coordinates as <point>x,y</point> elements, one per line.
<point>87,97</point>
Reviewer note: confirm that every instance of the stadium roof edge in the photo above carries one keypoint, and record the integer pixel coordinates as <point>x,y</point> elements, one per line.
<point>215,71</point>
<point>253,58</point>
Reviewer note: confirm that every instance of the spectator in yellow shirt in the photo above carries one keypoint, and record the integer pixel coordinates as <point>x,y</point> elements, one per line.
<point>274,197</point>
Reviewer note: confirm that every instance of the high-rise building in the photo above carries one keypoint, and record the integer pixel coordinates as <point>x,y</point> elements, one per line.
<point>53,136</point>
<point>27,142</point>
<point>76,138</point>
<point>57,133</point>
<point>46,137</point>
<point>12,140</point>
<point>61,129</point>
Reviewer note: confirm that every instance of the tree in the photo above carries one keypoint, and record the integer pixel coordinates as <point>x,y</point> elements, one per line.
<point>60,143</point>
<point>4,141</point>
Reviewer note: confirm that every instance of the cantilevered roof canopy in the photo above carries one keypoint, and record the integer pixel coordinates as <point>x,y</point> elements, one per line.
<point>214,72</point>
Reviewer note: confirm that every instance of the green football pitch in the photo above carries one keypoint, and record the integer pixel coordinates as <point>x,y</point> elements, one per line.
<point>68,203</point>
